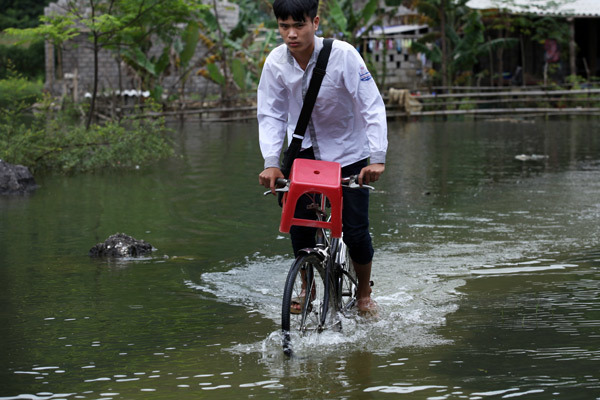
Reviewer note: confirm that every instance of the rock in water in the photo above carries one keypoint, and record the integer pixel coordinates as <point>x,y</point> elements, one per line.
<point>15,179</point>
<point>121,245</point>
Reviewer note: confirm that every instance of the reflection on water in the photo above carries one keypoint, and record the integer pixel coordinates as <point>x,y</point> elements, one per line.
<point>486,274</point>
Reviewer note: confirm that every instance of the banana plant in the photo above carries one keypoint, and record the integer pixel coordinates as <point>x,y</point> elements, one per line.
<point>463,34</point>
<point>351,24</point>
<point>234,60</point>
<point>176,54</point>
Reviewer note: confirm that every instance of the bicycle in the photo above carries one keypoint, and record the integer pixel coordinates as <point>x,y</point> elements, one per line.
<point>321,284</point>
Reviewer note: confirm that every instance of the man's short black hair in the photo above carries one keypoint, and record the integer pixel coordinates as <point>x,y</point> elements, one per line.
<point>297,9</point>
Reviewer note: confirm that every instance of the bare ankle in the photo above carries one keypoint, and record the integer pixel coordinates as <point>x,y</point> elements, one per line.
<point>363,274</point>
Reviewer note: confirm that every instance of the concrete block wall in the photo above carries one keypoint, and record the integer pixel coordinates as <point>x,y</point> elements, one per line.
<point>404,70</point>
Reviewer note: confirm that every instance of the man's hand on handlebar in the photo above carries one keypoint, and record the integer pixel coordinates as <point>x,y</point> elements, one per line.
<point>268,178</point>
<point>370,173</point>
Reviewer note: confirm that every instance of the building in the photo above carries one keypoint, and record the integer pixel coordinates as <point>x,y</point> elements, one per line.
<point>388,50</point>
<point>580,57</point>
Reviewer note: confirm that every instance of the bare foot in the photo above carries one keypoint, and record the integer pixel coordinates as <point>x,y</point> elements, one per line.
<point>367,307</point>
<point>296,306</point>
<point>298,302</point>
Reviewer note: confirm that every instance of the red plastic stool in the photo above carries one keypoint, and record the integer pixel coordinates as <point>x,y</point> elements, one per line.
<point>313,176</point>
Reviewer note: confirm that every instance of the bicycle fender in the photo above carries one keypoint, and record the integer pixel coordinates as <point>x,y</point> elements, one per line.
<point>309,250</point>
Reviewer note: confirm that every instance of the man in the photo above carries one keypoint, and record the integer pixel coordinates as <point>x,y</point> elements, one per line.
<point>348,125</point>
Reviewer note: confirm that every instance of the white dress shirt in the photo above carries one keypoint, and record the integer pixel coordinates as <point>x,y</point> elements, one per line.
<point>348,122</point>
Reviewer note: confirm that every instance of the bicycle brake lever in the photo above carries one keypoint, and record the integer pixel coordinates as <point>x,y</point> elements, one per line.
<point>353,185</point>
<point>351,182</point>
<point>283,189</point>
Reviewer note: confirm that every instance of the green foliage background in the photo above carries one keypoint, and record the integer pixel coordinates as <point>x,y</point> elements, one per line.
<point>16,92</point>
<point>37,132</point>
<point>21,13</point>
<point>28,60</point>
<point>47,146</point>
<point>46,140</point>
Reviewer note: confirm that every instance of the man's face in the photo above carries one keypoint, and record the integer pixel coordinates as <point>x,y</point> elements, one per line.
<point>299,35</point>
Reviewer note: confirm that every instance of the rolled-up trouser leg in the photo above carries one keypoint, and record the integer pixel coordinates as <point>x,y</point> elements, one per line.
<point>355,218</point>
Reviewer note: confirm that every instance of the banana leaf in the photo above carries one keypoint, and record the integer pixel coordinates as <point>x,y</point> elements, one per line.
<point>215,74</point>
<point>239,73</point>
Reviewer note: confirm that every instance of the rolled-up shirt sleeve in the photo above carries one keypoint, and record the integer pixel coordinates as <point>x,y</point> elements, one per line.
<point>272,113</point>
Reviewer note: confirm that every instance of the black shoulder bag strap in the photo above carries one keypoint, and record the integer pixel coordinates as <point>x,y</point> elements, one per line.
<point>307,107</point>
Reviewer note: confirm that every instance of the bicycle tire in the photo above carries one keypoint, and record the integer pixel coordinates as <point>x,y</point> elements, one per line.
<point>310,268</point>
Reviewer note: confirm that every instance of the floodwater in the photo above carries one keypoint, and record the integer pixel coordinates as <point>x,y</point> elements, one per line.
<point>486,272</point>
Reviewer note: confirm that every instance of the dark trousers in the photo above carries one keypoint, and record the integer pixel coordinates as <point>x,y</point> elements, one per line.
<point>355,218</point>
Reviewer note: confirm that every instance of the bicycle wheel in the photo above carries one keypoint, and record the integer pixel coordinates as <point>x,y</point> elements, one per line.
<point>345,277</point>
<point>304,289</point>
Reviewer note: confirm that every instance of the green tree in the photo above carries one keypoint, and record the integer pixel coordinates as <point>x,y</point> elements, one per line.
<point>27,59</point>
<point>129,27</point>
<point>459,41</point>
<point>343,18</point>
<point>517,21</point>
<point>176,36</point>
<point>21,13</point>
<point>234,59</point>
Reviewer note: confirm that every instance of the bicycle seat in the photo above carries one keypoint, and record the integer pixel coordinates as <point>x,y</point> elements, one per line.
<point>314,176</point>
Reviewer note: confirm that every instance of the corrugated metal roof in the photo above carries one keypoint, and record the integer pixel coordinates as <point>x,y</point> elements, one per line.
<point>391,30</point>
<point>575,8</point>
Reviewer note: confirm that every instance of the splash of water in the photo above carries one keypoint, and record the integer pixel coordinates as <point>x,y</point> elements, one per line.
<point>412,301</point>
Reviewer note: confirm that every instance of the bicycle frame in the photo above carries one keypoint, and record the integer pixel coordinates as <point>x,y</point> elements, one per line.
<point>336,285</point>
<point>328,249</point>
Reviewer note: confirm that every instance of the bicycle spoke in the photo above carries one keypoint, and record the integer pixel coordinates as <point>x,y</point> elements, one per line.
<point>303,299</point>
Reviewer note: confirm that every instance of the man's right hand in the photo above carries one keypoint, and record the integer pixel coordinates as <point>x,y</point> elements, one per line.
<point>268,177</point>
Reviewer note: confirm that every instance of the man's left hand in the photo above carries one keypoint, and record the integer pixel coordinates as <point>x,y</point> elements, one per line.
<point>370,173</point>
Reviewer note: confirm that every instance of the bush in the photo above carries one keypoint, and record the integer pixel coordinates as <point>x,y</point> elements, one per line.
<point>28,60</point>
<point>17,92</point>
<point>49,142</point>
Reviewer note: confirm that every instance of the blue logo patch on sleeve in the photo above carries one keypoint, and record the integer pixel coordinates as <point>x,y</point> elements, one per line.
<point>366,76</point>
<point>364,73</point>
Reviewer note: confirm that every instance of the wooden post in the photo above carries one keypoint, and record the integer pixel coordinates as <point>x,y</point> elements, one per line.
<point>491,65</point>
<point>50,65</point>
<point>76,85</point>
<point>444,48</point>
<point>523,55</point>
<point>572,50</point>
<point>593,47</point>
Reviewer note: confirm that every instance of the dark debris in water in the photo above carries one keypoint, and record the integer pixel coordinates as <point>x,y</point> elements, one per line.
<point>15,179</point>
<point>121,245</point>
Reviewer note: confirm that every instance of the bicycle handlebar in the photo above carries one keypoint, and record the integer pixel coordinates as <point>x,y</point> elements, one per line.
<point>349,182</point>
